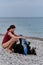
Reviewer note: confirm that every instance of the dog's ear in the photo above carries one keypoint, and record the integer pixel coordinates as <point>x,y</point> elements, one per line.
<point>20,41</point>
<point>28,43</point>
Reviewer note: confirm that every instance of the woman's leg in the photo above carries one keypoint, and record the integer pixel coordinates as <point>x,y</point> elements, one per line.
<point>9,43</point>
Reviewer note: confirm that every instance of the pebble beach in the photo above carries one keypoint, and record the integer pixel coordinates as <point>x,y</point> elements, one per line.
<point>19,59</point>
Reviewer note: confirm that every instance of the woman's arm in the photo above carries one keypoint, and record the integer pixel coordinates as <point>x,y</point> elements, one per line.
<point>16,36</point>
<point>13,36</point>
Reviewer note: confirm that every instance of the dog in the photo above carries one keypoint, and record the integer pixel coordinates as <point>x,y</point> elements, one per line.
<point>23,48</point>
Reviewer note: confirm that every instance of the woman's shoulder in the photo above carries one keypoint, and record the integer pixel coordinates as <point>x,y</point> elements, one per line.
<point>7,33</point>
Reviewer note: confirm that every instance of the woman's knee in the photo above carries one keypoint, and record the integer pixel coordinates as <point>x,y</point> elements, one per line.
<point>4,46</point>
<point>14,39</point>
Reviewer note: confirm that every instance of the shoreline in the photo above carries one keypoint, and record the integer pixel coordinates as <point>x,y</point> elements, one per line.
<point>29,37</point>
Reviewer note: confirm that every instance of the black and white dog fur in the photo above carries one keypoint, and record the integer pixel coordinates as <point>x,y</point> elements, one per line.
<point>18,48</point>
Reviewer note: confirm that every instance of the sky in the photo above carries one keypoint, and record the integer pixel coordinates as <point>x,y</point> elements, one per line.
<point>21,8</point>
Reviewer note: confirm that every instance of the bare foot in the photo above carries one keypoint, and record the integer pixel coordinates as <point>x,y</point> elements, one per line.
<point>8,50</point>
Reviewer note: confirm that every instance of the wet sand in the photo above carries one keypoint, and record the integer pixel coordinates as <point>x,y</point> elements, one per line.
<point>19,59</point>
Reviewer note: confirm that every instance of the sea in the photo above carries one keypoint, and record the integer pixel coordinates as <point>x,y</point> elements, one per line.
<point>27,26</point>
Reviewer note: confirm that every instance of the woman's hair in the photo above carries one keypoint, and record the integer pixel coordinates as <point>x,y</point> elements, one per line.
<point>11,27</point>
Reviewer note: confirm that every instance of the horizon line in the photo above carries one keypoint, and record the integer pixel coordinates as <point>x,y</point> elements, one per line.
<point>21,17</point>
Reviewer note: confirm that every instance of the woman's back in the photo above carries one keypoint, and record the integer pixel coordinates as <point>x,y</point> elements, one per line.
<point>6,37</point>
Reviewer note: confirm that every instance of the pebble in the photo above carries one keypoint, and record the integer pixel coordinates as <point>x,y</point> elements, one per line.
<point>19,59</point>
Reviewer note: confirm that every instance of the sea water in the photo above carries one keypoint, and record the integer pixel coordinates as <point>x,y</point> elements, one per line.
<point>28,26</point>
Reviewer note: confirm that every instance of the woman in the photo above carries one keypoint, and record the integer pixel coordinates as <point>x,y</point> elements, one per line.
<point>10,38</point>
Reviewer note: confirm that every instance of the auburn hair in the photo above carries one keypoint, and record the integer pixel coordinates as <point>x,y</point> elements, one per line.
<point>11,27</point>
